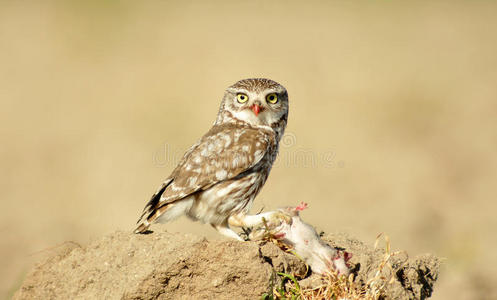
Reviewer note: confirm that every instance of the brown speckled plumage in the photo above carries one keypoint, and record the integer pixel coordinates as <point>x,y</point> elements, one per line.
<point>221,174</point>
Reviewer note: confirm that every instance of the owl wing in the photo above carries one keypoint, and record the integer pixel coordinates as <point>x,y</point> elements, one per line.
<point>222,154</point>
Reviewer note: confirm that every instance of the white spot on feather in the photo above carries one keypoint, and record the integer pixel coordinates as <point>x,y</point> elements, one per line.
<point>221,174</point>
<point>227,140</point>
<point>237,135</point>
<point>236,162</point>
<point>192,181</point>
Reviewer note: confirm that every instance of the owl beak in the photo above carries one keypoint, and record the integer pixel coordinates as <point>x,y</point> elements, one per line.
<point>256,109</point>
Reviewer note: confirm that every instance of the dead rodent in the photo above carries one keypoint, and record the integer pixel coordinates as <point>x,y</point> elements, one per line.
<point>286,226</point>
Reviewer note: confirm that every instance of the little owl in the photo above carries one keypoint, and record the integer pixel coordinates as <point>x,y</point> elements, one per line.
<point>219,176</point>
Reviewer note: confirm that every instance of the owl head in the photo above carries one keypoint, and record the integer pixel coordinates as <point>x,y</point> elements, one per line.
<point>255,101</point>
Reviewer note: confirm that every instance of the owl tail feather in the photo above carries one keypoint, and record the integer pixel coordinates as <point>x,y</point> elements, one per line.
<point>142,228</point>
<point>151,210</point>
<point>167,212</point>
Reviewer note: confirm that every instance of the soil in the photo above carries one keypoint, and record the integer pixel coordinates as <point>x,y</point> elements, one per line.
<point>164,265</point>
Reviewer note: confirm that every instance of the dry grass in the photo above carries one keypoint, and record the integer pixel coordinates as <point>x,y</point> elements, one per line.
<point>336,286</point>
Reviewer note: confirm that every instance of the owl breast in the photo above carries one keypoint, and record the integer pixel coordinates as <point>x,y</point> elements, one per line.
<point>215,205</point>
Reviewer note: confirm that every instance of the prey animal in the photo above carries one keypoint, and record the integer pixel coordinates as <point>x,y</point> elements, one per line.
<point>220,175</point>
<point>290,230</point>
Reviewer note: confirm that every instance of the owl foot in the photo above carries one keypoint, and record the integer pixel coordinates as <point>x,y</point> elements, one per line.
<point>226,231</point>
<point>270,219</point>
<point>277,218</point>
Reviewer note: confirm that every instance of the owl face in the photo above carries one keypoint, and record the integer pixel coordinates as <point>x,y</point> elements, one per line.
<point>256,102</point>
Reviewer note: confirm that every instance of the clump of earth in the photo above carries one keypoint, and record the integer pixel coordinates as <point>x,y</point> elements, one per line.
<point>164,265</point>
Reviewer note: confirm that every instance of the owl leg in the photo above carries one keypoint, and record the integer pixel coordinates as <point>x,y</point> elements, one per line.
<point>243,220</point>
<point>226,231</point>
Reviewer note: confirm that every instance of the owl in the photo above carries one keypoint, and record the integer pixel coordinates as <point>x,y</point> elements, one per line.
<point>220,175</point>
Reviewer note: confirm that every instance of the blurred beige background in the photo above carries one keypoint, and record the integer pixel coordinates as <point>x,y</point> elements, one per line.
<point>392,128</point>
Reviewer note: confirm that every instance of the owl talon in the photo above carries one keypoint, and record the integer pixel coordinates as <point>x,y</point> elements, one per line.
<point>228,232</point>
<point>276,219</point>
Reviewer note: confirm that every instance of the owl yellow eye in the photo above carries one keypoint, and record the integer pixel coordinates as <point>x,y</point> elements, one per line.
<point>272,98</point>
<point>241,98</point>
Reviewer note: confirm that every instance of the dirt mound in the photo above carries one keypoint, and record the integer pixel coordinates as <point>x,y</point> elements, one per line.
<point>180,266</point>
